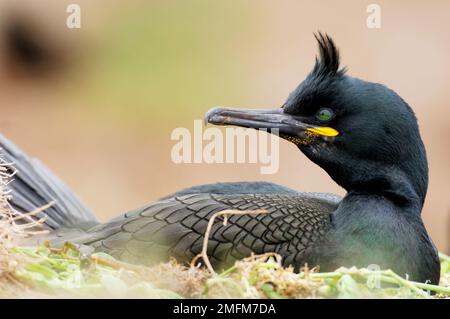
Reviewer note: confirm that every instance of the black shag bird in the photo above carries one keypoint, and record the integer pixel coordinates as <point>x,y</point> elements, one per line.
<point>362,134</point>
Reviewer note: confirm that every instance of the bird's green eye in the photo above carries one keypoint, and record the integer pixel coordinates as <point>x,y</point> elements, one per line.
<point>324,115</point>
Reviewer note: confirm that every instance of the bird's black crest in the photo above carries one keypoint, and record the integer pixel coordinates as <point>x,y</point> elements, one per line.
<point>327,64</point>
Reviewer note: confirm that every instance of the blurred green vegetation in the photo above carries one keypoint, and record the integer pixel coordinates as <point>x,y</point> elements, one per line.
<point>166,60</point>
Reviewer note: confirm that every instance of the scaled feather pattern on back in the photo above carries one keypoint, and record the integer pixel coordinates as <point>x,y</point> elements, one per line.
<point>175,227</point>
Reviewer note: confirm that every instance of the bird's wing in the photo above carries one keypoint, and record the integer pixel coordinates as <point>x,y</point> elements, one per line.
<point>33,186</point>
<point>175,227</point>
<point>233,188</point>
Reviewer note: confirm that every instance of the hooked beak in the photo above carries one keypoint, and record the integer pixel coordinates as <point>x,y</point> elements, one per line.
<point>288,126</point>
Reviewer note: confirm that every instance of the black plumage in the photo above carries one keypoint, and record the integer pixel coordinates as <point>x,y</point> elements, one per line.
<point>175,227</point>
<point>362,134</point>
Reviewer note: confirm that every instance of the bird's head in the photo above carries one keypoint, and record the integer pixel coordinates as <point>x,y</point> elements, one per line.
<point>363,134</point>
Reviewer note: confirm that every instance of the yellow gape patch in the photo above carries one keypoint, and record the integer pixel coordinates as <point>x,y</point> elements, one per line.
<point>297,140</point>
<point>324,131</point>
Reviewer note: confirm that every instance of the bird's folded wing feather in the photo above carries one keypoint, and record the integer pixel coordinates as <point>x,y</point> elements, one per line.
<point>175,227</point>
<point>33,187</point>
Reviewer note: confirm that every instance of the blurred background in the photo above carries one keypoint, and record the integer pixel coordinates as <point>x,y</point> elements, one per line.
<point>98,104</point>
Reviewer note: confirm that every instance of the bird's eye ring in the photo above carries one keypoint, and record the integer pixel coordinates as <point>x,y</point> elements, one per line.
<point>324,115</point>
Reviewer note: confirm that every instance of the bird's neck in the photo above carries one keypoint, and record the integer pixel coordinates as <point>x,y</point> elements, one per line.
<point>402,185</point>
<point>364,207</point>
<point>370,228</point>
<point>389,185</point>
<point>379,220</point>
